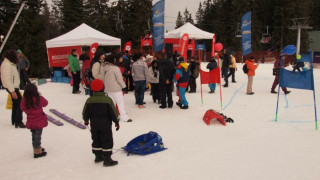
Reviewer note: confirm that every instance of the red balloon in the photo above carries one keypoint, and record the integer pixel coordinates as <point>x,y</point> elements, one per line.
<point>218,47</point>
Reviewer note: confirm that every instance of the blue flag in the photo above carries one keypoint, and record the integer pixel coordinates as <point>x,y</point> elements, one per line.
<point>298,80</point>
<point>158,26</point>
<point>246,33</point>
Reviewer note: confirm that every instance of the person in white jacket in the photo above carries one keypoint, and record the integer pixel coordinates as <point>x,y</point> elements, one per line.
<point>11,81</point>
<point>98,66</point>
<point>114,84</point>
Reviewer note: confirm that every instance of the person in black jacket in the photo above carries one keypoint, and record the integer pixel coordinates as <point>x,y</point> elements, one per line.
<point>192,80</point>
<point>225,66</point>
<point>100,110</point>
<point>127,72</point>
<point>211,66</point>
<point>166,71</point>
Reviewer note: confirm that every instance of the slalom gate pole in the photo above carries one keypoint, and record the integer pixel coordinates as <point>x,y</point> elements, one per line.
<point>314,94</point>
<point>279,88</point>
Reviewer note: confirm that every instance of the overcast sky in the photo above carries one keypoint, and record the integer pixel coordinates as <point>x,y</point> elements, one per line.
<point>172,7</point>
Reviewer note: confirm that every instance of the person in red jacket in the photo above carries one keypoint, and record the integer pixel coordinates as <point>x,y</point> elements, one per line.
<point>32,104</point>
<point>252,68</point>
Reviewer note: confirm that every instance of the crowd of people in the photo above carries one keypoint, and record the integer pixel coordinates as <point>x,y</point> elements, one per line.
<point>110,77</point>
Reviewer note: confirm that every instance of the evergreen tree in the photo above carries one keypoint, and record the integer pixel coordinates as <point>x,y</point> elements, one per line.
<point>72,13</point>
<point>8,10</point>
<point>199,14</point>
<point>187,17</point>
<point>30,34</point>
<point>179,21</point>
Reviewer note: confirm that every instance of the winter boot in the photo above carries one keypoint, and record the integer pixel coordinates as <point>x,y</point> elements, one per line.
<point>99,156</point>
<point>107,159</point>
<point>184,107</point>
<point>287,92</point>
<point>39,153</point>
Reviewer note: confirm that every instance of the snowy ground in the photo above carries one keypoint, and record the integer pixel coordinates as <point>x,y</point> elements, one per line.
<point>254,147</point>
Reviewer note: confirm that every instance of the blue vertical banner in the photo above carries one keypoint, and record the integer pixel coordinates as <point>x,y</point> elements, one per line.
<point>246,33</point>
<point>158,26</point>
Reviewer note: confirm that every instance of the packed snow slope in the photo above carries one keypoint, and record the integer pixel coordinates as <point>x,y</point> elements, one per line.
<point>254,147</point>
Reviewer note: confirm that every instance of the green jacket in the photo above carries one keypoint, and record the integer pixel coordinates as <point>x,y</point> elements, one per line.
<point>74,63</point>
<point>100,110</point>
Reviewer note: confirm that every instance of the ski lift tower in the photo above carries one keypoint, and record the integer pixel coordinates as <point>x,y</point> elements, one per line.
<point>299,23</point>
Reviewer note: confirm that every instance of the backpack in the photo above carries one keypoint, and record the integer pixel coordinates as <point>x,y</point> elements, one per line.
<point>245,69</point>
<point>196,72</point>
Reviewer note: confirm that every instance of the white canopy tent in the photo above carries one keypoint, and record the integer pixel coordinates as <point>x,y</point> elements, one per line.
<point>194,32</point>
<point>83,35</point>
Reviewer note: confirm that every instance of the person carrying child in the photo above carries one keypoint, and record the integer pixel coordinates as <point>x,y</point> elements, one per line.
<point>100,110</point>
<point>32,104</point>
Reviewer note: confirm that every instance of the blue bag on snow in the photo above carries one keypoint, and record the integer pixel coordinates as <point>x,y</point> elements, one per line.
<point>145,144</point>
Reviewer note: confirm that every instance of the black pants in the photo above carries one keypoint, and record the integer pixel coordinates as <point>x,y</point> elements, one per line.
<point>102,139</point>
<point>166,92</point>
<point>155,91</point>
<point>129,83</point>
<point>76,82</point>
<point>192,84</point>
<point>24,78</point>
<point>36,138</point>
<point>232,73</point>
<point>16,115</point>
<point>225,75</point>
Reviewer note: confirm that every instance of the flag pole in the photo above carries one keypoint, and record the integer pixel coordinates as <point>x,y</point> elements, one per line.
<point>199,56</point>
<point>220,80</point>
<point>279,88</point>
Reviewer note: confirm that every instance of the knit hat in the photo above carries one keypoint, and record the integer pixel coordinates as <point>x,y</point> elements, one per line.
<point>97,85</point>
<point>19,51</point>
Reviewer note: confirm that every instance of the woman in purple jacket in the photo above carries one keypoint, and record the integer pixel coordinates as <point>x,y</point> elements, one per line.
<point>32,104</point>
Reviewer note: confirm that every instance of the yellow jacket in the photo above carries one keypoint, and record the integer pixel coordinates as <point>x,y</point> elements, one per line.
<point>233,62</point>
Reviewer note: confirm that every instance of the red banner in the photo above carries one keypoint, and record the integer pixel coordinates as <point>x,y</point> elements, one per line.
<point>58,57</point>
<point>183,45</point>
<point>93,49</point>
<point>128,47</point>
<point>146,42</point>
<point>213,45</point>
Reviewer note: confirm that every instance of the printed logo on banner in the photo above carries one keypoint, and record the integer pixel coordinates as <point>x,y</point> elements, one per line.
<point>93,50</point>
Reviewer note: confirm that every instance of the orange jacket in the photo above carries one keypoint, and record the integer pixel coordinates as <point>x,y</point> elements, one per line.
<point>251,67</point>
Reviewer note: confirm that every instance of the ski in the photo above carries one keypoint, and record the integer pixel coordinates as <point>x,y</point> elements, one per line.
<point>54,121</point>
<point>68,119</point>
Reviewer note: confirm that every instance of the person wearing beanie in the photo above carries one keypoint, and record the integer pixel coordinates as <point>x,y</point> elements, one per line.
<point>211,66</point>
<point>75,70</point>
<point>182,76</point>
<point>23,67</point>
<point>101,112</point>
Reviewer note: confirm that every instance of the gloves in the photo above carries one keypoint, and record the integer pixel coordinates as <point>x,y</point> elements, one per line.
<point>117,126</point>
<point>86,123</point>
